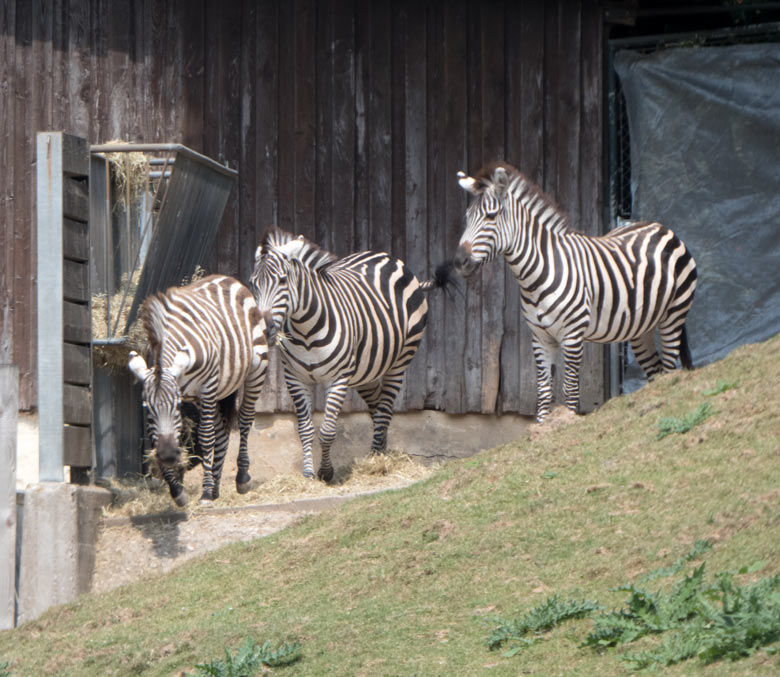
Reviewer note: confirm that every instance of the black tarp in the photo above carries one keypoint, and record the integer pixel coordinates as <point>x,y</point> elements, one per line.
<point>704,128</point>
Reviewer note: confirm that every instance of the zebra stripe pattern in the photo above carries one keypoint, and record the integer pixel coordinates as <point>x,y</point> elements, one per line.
<point>615,287</point>
<point>206,344</point>
<point>352,322</point>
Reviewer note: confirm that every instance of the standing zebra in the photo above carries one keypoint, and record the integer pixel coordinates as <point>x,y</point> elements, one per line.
<point>354,322</point>
<point>574,287</point>
<point>206,342</point>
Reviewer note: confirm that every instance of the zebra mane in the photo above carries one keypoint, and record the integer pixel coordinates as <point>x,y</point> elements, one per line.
<point>153,320</point>
<point>540,205</point>
<point>296,247</point>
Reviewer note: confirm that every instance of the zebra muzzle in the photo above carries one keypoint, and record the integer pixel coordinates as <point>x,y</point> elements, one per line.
<point>464,263</point>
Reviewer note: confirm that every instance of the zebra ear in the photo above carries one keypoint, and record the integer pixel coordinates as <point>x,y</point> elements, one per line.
<point>137,365</point>
<point>500,182</point>
<point>258,253</point>
<point>467,183</point>
<point>180,362</point>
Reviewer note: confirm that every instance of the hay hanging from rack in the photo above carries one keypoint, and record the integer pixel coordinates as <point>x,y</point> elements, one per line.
<point>114,315</point>
<point>130,172</point>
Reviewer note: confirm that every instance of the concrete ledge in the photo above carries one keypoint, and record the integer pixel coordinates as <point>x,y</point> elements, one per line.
<point>427,436</point>
<point>56,535</point>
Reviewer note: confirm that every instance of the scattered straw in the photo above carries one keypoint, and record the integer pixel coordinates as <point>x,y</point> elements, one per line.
<point>373,473</point>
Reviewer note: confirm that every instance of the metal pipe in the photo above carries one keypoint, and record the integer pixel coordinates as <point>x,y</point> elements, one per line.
<point>160,148</point>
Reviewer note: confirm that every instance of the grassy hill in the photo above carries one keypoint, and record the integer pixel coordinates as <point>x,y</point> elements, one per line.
<point>413,582</point>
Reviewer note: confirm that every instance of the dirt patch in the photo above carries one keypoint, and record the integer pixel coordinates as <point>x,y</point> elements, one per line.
<point>143,533</point>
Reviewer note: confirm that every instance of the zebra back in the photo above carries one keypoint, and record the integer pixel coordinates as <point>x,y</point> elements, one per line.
<point>215,322</point>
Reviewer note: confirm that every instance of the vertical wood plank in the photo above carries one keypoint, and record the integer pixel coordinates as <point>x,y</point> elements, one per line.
<point>437,186</point>
<point>324,104</point>
<point>380,130</point>
<point>594,378</point>
<point>343,131</point>
<point>454,158</point>
<point>24,247</point>
<point>9,405</point>
<point>271,192</point>
<point>492,82</point>
<point>247,167</point>
<point>8,160</point>
<point>304,114</point>
<point>224,31</point>
<point>361,234</point>
<point>525,133</point>
<point>473,355</point>
<point>415,215</point>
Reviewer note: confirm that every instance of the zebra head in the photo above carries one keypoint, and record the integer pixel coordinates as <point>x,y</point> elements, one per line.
<point>484,237</point>
<point>272,288</point>
<point>162,399</point>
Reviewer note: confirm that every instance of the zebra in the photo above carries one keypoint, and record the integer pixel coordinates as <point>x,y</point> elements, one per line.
<point>206,343</point>
<point>352,322</point>
<point>615,287</point>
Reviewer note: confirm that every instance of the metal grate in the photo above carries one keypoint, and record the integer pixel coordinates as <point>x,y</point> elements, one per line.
<point>155,211</point>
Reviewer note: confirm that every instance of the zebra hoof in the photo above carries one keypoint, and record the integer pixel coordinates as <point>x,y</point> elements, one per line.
<point>243,481</point>
<point>309,475</point>
<point>206,498</point>
<point>325,474</point>
<point>182,499</point>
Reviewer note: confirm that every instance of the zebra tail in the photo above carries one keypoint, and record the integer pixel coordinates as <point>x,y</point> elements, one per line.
<point>443,278</point>
<point>685,351</point>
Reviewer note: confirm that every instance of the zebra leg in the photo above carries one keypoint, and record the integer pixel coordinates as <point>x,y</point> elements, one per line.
<point>301,397</point>
<point>207,438</point>
<point>674,345</point>
<point>572,348</point>
<point>543,354</point>
<point>334,401</point>
<point>246,416</point>
<point>646,354</point>
<point>221,441</point>
<point>382,411</point>
<point>172,477</point>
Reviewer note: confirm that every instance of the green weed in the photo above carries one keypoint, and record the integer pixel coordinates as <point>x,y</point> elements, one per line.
<point>721,387</point>
<point>249,659</point>
<point>710,621</point>
<point>670,424</point>
<point>542,618</point>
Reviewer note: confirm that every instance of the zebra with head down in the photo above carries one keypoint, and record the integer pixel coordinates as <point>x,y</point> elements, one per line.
<point>207,345</point>
<point>352,322</point>
<point>621,286</point>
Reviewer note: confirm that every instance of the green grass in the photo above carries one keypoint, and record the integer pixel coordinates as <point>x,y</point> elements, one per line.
<point>411,582</point>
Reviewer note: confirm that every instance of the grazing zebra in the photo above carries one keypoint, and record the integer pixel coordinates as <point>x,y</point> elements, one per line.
<point>574,287</point>
<point>354,322</point>
<point>207,343</point>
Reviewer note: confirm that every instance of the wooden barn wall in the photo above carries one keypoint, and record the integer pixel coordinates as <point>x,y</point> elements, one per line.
<point>347,121</point>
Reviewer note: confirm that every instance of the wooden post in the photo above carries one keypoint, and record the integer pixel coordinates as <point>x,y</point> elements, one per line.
<point>9,405</point>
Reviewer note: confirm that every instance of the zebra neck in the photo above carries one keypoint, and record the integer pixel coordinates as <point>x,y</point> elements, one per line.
<point>529,256</point>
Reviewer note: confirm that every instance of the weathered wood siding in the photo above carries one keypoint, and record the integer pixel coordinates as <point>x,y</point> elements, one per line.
<point>347,121</point>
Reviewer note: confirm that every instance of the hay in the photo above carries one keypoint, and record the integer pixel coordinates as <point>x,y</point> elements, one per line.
<point>113,316</point>
<point>374,473</point>
<point>130,172</point>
